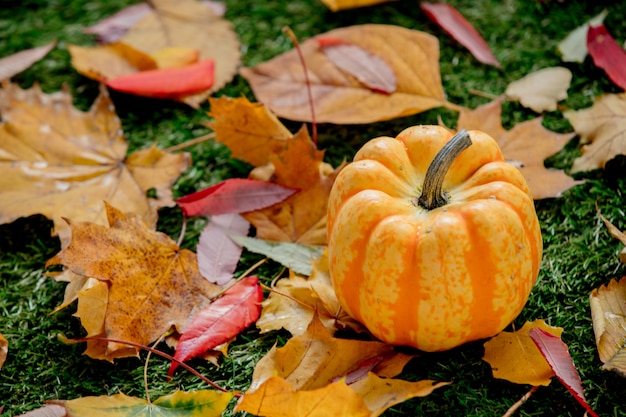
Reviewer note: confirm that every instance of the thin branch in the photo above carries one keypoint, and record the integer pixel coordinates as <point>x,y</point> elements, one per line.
<point>521,402</point>
<point>190,143</point>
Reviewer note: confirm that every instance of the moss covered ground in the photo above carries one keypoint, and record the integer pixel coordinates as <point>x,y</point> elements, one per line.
<point>579,253</point>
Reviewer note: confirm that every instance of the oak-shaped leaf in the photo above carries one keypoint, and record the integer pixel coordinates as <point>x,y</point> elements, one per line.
<point>295,300</point>
<point>541,90</point>
<point>513,356</point>
<point>51,154</point>
<point>338,96</point>
<point>203,403</point>
<point>608,313</point>
<point>526,146</point>
<point>461,30</point>
<point>607,54</point>
<point>602,128</point>
<point>557,355</point>
<point>153,285</point>
<point>221,321</point>
<point>296,379</point>
<point>18,62</point>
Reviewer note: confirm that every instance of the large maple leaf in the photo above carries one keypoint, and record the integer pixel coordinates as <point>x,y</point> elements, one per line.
<point>526,145</point>
<point>152,284</point>
<point>61,162</point>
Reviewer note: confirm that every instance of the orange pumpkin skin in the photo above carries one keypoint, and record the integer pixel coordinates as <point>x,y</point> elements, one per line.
<point>432,279</point>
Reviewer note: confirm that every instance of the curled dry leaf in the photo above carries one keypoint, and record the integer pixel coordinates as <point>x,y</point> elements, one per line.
<point>513,356</point>
<point>18,62</point>
<point>608,313</point>
<point>526,146</point>
<point>602,127</point>
<point>152,284</point>
<point>541,90</point>
<point>338,96</point>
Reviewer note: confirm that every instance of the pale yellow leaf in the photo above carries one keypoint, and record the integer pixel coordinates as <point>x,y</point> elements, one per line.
<point>541,90</point>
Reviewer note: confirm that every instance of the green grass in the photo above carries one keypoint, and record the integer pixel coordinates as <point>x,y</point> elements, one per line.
<point>579,254</point>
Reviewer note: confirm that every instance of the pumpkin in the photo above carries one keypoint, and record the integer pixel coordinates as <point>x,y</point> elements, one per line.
<point>432,242</point>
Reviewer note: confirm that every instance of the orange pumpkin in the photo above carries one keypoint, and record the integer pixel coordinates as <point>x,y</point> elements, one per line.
<point>432,242</point>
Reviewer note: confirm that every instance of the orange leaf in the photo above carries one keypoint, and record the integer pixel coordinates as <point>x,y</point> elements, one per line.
<point>172,83</point>
<point>514,356</point>
<point>153,285</point>
<point>526,146</point>
<point>338,96</point>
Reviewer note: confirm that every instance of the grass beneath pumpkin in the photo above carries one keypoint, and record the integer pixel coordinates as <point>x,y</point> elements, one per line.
<point>579,254</point>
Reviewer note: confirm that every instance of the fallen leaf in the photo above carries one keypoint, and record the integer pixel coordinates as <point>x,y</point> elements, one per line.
<point>203,403</point>
<point>49,410</point>
<point>302,217</point>
<point>603,128</point>
<point>291,255</point>
<point>221,321</point>
<point>338,97</point>
<point>541,90</point>
<point>169,83</point>
<point>557,354</point>
<point>617,234</point>
<point>251,131</point>
<point>52,153</point>
<point>296,299</point>
<point>190,24</point>
<point>153,285</point>
<point>526,146</point>
<point>106,62</point>
<point>574,47</point>
<point>607,54</point>
<point>234,195</point>
<point>336,5</point>
<point>18,62</point>
<point>4,350</point>
<point>608,313</point>
<point>453,22</point>
<point>175,57</point>
<point>218,254</point>
<point>367,67</point>
<point>513,356</point>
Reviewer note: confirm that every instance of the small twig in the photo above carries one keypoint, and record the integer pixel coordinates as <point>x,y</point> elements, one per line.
<point>190,143</point>
<point>145,369</point>
<point>183,230</point>
<point>521,402</point>
<point>302,303</point>
<point>483,94</point>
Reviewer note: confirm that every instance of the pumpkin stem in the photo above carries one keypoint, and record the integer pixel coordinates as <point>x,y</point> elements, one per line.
<point>432,195</point>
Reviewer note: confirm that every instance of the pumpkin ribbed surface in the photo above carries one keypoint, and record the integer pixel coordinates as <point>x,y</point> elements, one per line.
<point>432,279</point>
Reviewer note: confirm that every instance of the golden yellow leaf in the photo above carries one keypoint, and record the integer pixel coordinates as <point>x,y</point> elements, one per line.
<point>515,357</point>
<point>109,61</point>
<point>250,130</point>
<point>302,217</point>
<point>603,127</point>
<point>61,162</point>
<point>608,312</point>
<point>526,146</point>
<point>153,285</point>
<point>338,96</point>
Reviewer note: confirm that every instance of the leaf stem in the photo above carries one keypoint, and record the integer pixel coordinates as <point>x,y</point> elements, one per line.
<point>519,403</point>
<point>190,143</point>
<point>432,195</point>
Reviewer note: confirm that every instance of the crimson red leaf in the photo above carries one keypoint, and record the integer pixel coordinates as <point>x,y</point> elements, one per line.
<point>556,353</point>
<point>170,83</point>
<point>368,68</point>
<point>607,54</point>
<point>224,319</point>
<point>235,195</point>
<point>453,22</point>
<point>218,254</point>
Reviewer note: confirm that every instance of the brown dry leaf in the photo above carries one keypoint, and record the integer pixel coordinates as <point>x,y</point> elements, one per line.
<point>296,299</point>
<point>311,362</point>
<point>101,63</point>
<point>189,24</point>
<point>302,217</point>
<point>61,162</point>
<point>515,357</point>
<point>4,350</point>
<point>336,5</point>
<point>153,285</point>
<point>603,127</point>
<point>608,313</point>
<point>541,90</point>
<point>250,130</point>
<point>617,234</point>
<point>526,146</point>
<point>339,97</point>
